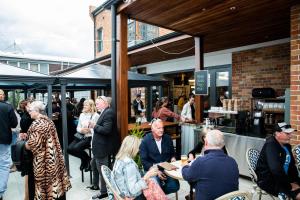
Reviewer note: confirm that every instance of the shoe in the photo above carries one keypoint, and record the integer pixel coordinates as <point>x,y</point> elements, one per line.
<point>100,196</point>
<point>93,187</point>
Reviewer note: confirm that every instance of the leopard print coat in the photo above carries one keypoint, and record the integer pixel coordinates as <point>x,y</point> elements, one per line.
<point>50,174</point>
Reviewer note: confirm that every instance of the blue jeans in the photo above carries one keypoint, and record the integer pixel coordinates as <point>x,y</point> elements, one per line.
<point>4,167</point>
<point>169,186</point>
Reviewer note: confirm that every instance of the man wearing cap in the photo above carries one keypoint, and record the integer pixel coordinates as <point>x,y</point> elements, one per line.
<point>276,170</point>
<point>8,120</point>
<point>104,141</point>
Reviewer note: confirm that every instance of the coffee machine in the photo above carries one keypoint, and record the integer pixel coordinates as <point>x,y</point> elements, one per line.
<point>258,119</point>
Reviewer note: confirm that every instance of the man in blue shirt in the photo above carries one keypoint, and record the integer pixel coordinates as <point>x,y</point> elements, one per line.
<point>157,147</point>
<point>215,173</point>
<point>276,170</point>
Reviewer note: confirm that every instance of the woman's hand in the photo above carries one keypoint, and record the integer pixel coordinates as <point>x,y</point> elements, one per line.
<point>191,157</point>
<point>23,136</point>
<point>153,171</point>
<point>85,130</point>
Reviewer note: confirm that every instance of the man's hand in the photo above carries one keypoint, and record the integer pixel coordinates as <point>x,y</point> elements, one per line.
<point>295,186</point>
<point>161,176</point>
<point>85,130</point>
<point>173,159</point>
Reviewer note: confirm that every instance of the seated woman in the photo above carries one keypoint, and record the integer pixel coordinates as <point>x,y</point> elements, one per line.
<point>50,175</point>
<point>162,112</point>
<point>198,149</point>
<point>126,172</point>
<point>76,148</point>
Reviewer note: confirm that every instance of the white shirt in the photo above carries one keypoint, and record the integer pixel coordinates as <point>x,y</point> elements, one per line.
<point>84,120</point>
<point>158,143</point>
<point>187,111</point>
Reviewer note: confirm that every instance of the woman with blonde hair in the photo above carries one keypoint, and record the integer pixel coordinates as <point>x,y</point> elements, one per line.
<point>83,137</point>
<point>51,180</point>
<point>126,172</point>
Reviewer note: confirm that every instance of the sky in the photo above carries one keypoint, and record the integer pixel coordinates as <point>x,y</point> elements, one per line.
<point>48,27</point>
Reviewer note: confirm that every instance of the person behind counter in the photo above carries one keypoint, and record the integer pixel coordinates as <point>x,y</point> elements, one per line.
<point>162,112</point>
<point>188,111</point>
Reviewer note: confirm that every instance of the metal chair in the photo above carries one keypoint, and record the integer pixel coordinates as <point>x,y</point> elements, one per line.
<point>296,152</point>
<point>82,171</point>
<point>113,192</point>
<point>236,195</point>
<point>252,156</point>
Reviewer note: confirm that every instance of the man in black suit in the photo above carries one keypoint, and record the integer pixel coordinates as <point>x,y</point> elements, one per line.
<point>104,140</point>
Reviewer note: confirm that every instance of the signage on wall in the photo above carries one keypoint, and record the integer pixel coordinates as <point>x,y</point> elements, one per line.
<point>201,86</point>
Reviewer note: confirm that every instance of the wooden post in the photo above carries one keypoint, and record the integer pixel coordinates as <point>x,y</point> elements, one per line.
<point>199,65</point>
<point>122,76</point>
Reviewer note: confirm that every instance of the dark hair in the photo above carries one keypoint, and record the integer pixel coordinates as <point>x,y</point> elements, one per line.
<point>160,102</point>
<point>138,95</point>
<point>191,96</point>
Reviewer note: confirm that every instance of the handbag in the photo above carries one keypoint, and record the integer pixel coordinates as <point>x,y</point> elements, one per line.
<point>79,136</point>
<point>154,191</point>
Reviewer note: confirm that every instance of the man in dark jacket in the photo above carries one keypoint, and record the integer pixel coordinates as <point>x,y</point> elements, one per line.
<point>138,105</point>
<point>276,170</point>
<point>105,140</point>
<point>8,120</point>
<point>215,173</point>
<point>157,147</point>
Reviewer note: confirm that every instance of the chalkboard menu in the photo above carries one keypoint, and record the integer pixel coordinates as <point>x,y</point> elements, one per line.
<point>201,86</point>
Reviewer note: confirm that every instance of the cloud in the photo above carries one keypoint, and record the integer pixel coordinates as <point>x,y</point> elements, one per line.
<point>56,27</point>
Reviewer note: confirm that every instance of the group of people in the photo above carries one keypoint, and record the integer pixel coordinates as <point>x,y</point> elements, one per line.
<point>47,177</point>
<point>162,110</point>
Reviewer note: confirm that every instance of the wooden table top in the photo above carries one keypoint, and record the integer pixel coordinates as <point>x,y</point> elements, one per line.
<point>146,126</point>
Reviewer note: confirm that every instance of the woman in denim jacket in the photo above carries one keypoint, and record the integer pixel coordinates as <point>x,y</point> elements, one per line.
<point>126,172</point>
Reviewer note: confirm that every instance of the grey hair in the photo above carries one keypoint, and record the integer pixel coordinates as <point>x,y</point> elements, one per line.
<point>215,139</point>
<point>38,106</point>
<point>155,121</point>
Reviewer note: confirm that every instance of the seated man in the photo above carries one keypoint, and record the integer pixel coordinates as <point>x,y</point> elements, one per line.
<point>215,173</point>
<point>276,170</point>
<point>157,147</point>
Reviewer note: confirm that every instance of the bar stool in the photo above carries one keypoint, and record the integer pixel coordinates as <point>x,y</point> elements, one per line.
<point>91,173</point>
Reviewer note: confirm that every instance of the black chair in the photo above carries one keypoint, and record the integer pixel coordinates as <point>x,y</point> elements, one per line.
<point>91,173</point>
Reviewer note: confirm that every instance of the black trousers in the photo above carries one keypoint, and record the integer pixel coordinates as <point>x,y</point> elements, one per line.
<point>77,147</point>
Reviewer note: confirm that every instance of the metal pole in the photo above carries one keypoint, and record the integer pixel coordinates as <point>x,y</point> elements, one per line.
<point>49,88</point>
<point>64,124</point>
<point>114,57</point>
<point>149,100</point>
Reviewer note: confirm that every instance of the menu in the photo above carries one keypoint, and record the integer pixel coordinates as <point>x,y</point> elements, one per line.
<point>201,86</point>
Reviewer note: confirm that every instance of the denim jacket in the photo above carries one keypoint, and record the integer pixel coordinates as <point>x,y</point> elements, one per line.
<point>128,178</point>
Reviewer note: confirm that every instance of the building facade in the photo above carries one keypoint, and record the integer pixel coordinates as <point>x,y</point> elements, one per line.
<point>38,63</point>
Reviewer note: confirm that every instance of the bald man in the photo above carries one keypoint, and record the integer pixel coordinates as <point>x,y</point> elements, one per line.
<point>215,173</point>
<point>8,120</point>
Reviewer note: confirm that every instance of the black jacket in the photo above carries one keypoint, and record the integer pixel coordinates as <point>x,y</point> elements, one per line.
<point>21,157</point>
<point>270,173</point>
<point>25,122</point>
<point>8,120</point>
<point>135,106</point>
<point>105,140</point>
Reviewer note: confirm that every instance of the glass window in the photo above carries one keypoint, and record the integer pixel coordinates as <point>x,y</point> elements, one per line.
<point>222,79</point>
<point>131,33</point>
<point>100,39</point>
<point>24,65</point>
<point>34,67</point>
<point>147,32</point>
<point>13,63</point>
<point>44,68</point>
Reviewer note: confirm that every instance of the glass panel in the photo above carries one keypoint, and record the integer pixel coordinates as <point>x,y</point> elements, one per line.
<point>100,39</point>
<point>222,87</point>
<point>44,68</point>
<point>34,67</point>
<point>24,65</point>
<point>13,63</point>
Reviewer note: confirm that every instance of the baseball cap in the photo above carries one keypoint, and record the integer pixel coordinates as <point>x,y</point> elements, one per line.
<point>284,127</point>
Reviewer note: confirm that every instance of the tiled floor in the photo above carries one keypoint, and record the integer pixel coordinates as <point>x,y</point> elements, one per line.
<point>79,191</point>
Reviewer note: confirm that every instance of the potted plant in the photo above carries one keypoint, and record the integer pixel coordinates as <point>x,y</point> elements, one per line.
<point>138,132</point>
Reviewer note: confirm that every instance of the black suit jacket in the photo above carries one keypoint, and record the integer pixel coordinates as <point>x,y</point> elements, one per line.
<point>105,139</point>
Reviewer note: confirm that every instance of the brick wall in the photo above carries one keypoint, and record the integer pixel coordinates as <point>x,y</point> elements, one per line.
<point>103,20</point>
<point>261,67</point>
<point>295,72</point>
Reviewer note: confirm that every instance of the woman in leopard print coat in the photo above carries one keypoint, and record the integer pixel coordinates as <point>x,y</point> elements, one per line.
<point>50,174</point>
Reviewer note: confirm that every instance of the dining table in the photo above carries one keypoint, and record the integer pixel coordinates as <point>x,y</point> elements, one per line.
<point>176,174</point>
